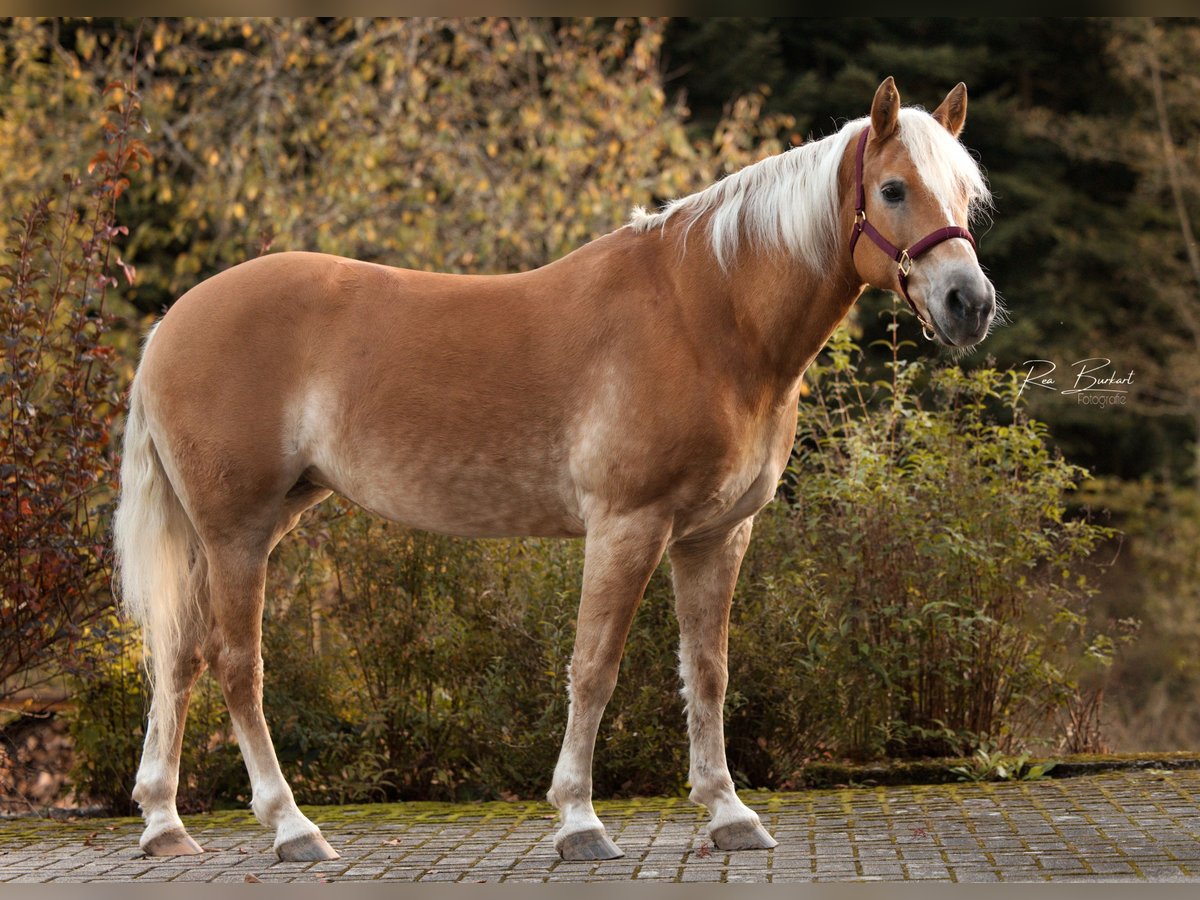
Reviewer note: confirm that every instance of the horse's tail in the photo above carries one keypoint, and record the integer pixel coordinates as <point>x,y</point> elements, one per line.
<point>160,565</point>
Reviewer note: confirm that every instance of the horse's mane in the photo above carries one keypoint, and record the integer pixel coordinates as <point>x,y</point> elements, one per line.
<point>791,201</point>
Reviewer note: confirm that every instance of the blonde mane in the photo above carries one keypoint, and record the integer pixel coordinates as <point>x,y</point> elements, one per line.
<point>790,201</point>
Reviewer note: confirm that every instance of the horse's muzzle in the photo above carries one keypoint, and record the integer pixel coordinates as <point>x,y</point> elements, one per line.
<point>965,311</point>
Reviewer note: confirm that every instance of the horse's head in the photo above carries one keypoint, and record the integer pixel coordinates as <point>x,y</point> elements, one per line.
<point>916,187</point>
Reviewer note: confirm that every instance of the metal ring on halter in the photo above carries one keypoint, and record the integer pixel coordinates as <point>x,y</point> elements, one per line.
<point>926,333</point>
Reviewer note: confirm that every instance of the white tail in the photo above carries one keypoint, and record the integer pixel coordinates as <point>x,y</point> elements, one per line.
<point>159,562</point>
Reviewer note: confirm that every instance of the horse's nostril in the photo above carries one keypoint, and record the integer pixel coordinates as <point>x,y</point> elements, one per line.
<point>967,308</point>
<point>957,304</point>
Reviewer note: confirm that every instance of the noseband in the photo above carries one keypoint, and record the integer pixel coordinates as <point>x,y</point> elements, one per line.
<point>904,258</point>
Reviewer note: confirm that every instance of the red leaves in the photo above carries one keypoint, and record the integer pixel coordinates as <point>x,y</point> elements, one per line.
<point>59,389</point>
<point>130,272</point>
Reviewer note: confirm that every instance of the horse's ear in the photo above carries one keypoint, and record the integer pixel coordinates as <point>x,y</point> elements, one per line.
<point>885,110</point>
<point>953,111</point>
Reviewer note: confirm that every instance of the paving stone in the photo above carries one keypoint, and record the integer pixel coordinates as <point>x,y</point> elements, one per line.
<point>1123,826</point>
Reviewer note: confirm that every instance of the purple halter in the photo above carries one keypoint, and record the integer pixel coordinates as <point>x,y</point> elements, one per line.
<point>904,258</point>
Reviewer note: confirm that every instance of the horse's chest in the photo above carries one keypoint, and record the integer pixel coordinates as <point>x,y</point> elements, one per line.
<point>748,479</point>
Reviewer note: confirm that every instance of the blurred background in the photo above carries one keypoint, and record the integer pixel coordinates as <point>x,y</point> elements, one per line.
<point>962,557</point>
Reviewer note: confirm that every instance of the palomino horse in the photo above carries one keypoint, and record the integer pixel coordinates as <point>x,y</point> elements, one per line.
<point>641,391</point>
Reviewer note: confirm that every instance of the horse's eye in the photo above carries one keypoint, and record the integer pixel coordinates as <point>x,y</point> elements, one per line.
<point>892,192</point>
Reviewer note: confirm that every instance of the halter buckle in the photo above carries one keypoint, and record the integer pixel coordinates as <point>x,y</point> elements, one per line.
<point>904,263</point>
<point>860,216</point>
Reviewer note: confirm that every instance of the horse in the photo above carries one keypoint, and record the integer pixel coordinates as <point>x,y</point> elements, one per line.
<point>640,392</point>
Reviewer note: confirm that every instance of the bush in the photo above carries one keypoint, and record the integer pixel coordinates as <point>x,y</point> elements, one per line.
<point>59,390</point>
<point>923,575</point>
<point>440,668</point>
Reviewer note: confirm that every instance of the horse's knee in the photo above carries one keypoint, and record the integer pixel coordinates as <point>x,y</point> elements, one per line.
<point>592,679</point>
<point>238,670</point>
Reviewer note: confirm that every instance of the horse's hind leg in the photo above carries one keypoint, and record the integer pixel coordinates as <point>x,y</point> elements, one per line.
<point>620,557</point>
<point>158,774</point>
<point>237,581</point>
<point>704,575</point>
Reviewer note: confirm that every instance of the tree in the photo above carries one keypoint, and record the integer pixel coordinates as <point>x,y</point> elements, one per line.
<point>1151,256</point>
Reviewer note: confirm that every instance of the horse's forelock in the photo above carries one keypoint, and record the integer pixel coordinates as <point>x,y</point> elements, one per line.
<point>948,170</point>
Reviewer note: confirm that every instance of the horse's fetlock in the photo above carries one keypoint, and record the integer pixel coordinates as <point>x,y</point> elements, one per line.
<point>270,806</point>
<point>565,791</point>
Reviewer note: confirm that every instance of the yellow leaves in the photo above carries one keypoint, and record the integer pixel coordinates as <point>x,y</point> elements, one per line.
<point>497,150</point>
<point>85,44</point>
<point>417,83</point>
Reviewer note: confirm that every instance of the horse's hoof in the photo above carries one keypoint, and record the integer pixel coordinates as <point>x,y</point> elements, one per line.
<point>305,848</point>
<point>173,842</point>
<point>742,836</point>
<point>592,844</point>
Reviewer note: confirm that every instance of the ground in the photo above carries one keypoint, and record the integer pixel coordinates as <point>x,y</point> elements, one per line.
<point>1138,824</point>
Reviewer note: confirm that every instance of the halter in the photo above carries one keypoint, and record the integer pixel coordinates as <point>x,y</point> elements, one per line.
<point>904,258</point>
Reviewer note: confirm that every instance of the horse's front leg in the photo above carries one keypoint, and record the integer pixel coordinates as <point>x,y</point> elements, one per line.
<point>704,574</point>
<point>620,556</point>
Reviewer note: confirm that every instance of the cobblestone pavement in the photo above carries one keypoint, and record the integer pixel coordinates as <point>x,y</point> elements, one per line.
<point>1142,825</point>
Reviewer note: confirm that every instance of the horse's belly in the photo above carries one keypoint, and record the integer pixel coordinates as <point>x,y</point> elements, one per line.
<point>463,498</point>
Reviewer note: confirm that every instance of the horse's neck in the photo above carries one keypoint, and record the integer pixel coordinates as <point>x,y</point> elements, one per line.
<point>769,315</point>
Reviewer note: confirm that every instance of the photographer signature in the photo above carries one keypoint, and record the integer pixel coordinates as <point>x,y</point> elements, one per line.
<point>1096,380</point>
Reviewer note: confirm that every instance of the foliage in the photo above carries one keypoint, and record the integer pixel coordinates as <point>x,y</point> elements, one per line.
<point>913,622</point>
<point>994,765</point>
<point>928,575</point>
<point>440,667</point>
<point>1156,261</point>
<point>466,145</point>
<point>58,393</point>
<point>1154,691</point>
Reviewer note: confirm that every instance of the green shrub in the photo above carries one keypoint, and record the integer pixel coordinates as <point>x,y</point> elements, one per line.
<point>925,579</point>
